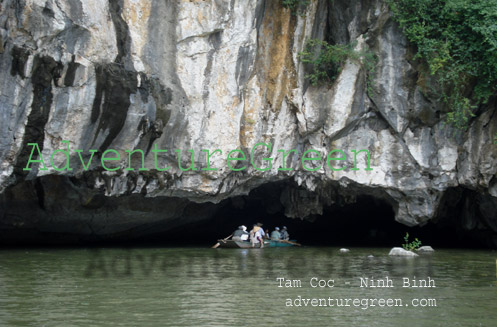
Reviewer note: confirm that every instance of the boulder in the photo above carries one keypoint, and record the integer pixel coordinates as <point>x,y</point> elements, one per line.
<point>402,252</point>
<point>425,249</point>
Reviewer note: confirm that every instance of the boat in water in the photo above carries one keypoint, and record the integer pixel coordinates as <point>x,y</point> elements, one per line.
<point>232,244</point>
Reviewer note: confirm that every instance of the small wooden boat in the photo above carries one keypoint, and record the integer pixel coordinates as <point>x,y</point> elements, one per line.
<point>231,244</point>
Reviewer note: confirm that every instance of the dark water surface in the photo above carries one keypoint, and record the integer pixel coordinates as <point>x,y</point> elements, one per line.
<point>225,287</point>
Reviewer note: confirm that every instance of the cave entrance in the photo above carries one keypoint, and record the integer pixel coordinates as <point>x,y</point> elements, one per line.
<point>368,222</point>
<point>350,219</point>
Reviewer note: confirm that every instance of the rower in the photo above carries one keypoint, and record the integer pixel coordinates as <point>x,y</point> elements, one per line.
<point>257,235</point>
<point>240,234</point>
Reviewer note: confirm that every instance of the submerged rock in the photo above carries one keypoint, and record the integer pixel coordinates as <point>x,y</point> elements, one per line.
<point>402,252</point>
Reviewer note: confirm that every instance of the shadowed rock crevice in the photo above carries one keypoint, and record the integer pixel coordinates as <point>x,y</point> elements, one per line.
<point>71,72</point>
<point>122,32</point>
<point>112,100</point>
<point>19,58</point>
<point>46,72</point>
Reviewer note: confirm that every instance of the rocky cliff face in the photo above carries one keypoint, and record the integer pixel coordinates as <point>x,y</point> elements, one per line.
<point>127,74</point>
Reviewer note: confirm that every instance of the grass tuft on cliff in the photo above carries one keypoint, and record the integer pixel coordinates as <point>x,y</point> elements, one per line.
<point>326,60</point>
<point>296,6</point>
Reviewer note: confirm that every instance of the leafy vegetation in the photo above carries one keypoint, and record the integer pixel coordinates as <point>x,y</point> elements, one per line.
<point>296,6</point>
<point>458,41</point>
<point>327,60</point>
<point>411,246</point>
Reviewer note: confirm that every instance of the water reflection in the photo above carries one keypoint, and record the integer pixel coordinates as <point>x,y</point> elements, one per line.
<point>247,263</point>
<point>226,287</point>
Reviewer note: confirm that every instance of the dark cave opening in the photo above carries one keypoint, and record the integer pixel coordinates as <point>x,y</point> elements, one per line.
<point>352,217</point>
<point>368,222</point>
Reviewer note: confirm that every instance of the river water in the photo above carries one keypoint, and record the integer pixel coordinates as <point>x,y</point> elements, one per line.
<point>235,287</point>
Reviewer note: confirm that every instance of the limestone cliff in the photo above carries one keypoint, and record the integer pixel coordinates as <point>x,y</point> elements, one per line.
<point>126,74</point>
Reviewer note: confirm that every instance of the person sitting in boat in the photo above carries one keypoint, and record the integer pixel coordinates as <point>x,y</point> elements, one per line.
<point>275,235</point>
<point>284,234</point>
<point>267,235</point>
<point>241,234</point>
<point>257,235</point>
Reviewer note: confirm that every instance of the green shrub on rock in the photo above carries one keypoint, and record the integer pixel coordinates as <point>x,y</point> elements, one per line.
<point>295,6</point>
<point>326,60</point>
<point>458,41</point>
<point>411,246</point>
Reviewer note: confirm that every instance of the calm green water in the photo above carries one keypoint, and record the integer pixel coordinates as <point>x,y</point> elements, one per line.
<point>224,287</point>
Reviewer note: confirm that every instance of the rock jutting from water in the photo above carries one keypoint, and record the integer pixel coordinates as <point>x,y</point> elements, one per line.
<point>425,249</point>
<point>402,253</point>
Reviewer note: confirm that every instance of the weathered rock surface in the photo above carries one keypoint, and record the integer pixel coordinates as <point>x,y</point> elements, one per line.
<point>425,249</point>
<point>125,74</point>
<point>402,253</point>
